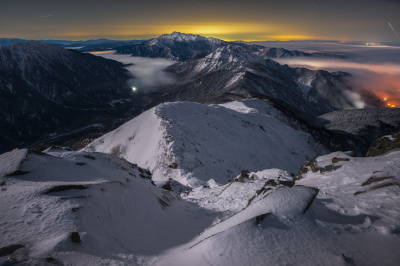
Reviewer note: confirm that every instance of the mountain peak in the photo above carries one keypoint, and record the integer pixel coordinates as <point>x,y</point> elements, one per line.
<point>187,37</point>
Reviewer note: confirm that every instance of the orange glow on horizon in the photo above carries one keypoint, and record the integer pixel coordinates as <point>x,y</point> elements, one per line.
<point>221,30</point>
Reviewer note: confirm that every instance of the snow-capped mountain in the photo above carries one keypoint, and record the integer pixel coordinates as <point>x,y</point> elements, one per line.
<point>231,73</point>
<point>192,142</point>
<point>182,46</point>
<point>46,88</point>
<point>177,46</point>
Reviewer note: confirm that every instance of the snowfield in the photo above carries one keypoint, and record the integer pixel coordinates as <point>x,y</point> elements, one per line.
<point>187,183</point>
<point>110,203</point>
<point>192,143</point>
<point>79,208</point>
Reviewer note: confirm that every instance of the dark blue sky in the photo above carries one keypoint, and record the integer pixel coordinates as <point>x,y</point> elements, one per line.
<point>343,20</point>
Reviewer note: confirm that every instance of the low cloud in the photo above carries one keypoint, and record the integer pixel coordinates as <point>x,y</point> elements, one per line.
<point>148,73</point>
<point>374,70</point>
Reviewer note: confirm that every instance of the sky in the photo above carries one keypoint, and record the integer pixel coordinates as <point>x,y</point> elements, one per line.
<point>247,20</point>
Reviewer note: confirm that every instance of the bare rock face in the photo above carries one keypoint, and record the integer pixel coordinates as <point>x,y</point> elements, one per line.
<point>384,144</point>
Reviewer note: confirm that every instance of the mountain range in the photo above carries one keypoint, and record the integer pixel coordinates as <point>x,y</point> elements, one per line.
<point>61,85</point>
<point>232,73</point>
<point>241,161</point>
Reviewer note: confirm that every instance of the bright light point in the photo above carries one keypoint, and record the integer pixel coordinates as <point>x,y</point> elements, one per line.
<point>134,89</point>
<point>385,99</point>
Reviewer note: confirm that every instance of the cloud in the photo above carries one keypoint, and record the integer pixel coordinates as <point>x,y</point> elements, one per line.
<point>46,16</point>
<point>374,70</point>
<point>148,73</point>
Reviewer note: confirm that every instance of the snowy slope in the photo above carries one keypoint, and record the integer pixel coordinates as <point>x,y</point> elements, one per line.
<point>192,143</point>
<point>349,222</point>
<point>109,202</point>
<point>344,212</point>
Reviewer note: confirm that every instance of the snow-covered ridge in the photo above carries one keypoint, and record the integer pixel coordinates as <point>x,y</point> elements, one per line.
<point>192,143</point>
<point>177,46</point>
<point>185,37</point>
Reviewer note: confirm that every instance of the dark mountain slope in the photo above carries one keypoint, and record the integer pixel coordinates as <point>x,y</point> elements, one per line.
<point>46,89</point>
<point>232,73</point>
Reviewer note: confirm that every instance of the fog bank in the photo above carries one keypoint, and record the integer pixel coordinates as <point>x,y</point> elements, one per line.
<point>148,73</point>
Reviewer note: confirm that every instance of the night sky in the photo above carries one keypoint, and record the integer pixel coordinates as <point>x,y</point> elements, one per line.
<point>341,20</point>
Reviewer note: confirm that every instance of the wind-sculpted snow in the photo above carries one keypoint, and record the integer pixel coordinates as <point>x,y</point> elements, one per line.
<point>76,208</point>
<point>353,219</point>
<point>110,204</point>
<point>192,143</point>
<point>364,191</point>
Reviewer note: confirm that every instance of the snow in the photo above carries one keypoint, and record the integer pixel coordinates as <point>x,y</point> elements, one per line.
<point>338,228</point>
<point>208,141</point>
<point>305,84</point>
<point>119,213</point>
<point>326,218</point>
<point>237,77</point>
<point>11,161</point>
<point>234,196</point>
<point>389,137</point>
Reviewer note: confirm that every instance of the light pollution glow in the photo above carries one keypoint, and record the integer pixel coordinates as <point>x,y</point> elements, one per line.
<point>381,79</point>
<point>227,32</point>
<point>247,20</point>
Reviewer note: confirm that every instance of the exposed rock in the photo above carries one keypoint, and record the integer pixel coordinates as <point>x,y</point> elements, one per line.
<point>374,179</point>
<point>65,187</point>
<point>336,160</point>
<point>5,251</point>
<point>384,144</point>
<point>261,218</point>
<point>377,187</point>
<point>75,238</point>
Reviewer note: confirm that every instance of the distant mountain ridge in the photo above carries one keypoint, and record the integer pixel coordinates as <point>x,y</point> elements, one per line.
<point>177,46</point>
<point>232,73</point>
<point>64,43</point>
<point>182,46</point>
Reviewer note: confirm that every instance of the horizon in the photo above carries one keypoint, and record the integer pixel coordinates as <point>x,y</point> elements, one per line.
<point>252,20</point>
<point>111,38</point>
